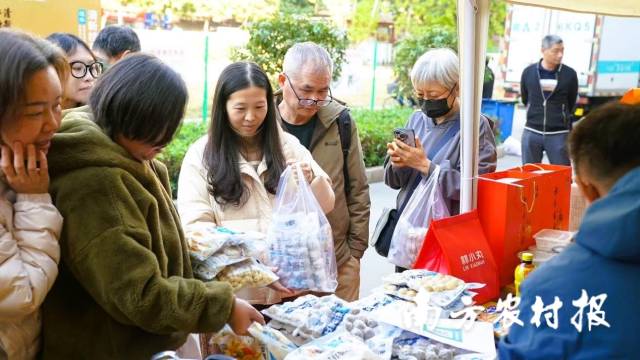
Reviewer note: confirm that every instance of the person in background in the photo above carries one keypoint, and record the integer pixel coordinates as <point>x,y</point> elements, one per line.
<point>308,112</point>
<point>596,277</point>
<point>84,69</point>
<point>31,75</point>
<point>435,79</point>
<point>229,177</point>
<point>489,79</point>
<point>549,90</point>
<point>126,288</point>
<point>114,42</point>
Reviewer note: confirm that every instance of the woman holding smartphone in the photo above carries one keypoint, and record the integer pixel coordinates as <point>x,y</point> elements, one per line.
<point>436,127</point>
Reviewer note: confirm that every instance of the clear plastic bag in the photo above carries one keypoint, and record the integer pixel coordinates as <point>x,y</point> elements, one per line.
<point>239,347</point>
<point>426,204</point>
<point>248,273</point>
<point>300,238</point>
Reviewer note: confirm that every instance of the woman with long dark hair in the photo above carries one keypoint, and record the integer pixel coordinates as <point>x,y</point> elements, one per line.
<point>229,177</point>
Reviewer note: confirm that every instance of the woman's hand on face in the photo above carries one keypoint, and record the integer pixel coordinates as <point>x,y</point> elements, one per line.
<point>26,178</point>
<point>402,155</point>
<point>307,172</point>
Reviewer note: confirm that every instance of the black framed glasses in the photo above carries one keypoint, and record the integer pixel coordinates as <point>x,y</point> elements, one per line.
<point>79,69</point>
<point>310,102</point>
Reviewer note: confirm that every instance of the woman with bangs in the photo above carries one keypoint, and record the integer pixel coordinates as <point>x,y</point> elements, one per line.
<point>126,288</point>
<point>84,69</point>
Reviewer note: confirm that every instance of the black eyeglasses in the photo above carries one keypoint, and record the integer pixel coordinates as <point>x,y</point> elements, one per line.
<point>310,102</point>
<point>79,69</point>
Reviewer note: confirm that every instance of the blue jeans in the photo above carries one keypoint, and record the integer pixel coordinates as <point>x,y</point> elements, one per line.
<point>533,144</point>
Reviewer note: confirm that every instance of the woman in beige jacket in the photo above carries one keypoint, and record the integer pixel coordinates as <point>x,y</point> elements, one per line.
<point>230,176</point>
<point>30,113</point>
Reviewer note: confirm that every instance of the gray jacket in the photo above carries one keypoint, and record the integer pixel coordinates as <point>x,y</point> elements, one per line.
<point>447,158</point>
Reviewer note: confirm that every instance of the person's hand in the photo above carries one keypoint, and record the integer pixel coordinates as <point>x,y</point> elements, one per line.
<point>402,155</point>
<point>277,286</point>
<point>242,316</point>
<point>29,180</point>
<point>306,171</point>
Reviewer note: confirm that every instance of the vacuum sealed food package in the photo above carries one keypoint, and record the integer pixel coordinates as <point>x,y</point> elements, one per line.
<point>339,345</point>
<point>275,345</point>
<point>248,273</point>
<point>204,239</point>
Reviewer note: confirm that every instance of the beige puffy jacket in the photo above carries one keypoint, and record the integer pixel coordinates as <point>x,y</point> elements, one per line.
<point>29,253</point>
<point>196,205</point>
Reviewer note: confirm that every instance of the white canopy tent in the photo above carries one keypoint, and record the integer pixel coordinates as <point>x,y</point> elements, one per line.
<point>473,24</point>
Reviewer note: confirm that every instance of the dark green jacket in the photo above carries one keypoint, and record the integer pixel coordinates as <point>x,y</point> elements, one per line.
<point>125,289</point>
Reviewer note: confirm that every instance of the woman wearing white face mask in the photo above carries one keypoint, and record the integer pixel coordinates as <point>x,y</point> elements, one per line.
<point>435,79</point>
<point>84,69</point>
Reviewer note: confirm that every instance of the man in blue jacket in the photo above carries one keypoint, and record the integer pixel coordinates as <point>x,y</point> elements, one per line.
<point>597,279</point>
<point>549,90</point>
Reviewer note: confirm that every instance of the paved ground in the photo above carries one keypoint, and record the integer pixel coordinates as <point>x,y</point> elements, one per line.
<point>373,266</point>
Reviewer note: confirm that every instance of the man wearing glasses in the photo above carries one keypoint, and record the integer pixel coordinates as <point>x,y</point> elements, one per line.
<point>325,127</point>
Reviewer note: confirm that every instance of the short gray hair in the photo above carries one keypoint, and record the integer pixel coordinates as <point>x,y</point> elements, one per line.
<point>436,65</point>
<point>307,53</point>
<point>550,40</point>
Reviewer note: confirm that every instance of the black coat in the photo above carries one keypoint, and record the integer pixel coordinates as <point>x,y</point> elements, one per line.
<point>554,114</point>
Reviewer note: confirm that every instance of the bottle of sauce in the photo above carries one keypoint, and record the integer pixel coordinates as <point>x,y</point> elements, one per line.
<point>523,270</point>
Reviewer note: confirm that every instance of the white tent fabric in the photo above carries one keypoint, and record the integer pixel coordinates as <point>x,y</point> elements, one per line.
<point>604,7</point>
<point>473,20</point>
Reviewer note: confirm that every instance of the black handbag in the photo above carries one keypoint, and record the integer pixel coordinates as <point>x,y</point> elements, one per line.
<point>386,225</point>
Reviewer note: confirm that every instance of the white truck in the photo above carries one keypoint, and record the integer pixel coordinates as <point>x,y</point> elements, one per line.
<point>604,50</point>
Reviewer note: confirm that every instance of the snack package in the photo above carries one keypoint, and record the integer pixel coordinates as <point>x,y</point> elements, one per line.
<point>411,346</point>
<point>444,291</point>
<point>373,303</point>
<point>324,319</point>
<point>226,342</point>
<point>300,237</point>
<point>247,273</point>
<point>204,239</point>
<point>309,317</point>
<point>276,346</point>
<point>339,345</point>
<point>207,270</point>
<point>400,291</point>
<point>382,342</point>
<point>292,313</point>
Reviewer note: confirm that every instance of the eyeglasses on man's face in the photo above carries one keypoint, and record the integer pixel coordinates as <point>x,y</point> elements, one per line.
<point>79,69</point>
<point>310,102</point>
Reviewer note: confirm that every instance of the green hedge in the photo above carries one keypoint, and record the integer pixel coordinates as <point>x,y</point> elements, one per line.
<point>375,129</point>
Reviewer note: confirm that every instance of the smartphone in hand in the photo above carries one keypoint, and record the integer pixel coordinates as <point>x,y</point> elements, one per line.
<point>405,135</point>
